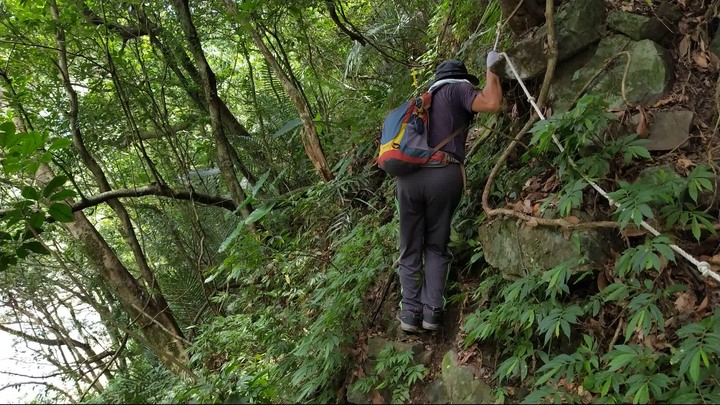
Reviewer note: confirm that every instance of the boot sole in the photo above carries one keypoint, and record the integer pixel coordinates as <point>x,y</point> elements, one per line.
<point>430,326</point>
<point>406,327</point>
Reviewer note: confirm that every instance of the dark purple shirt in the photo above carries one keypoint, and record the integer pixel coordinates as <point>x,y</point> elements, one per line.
<point>452,109</point>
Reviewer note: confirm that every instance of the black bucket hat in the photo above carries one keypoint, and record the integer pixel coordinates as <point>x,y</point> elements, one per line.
<point>454,69</point>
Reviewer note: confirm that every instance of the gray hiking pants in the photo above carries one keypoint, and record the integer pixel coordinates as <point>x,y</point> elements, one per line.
<point>427,199</point>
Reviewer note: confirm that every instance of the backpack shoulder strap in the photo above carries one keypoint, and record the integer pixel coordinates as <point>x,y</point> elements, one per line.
<point>447,140</point>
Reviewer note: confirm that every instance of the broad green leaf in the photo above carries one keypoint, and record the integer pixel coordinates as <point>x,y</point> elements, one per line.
<point>31,193</point>
<point>259,213</point>
<point>289,126</point>
<point>53,185</point>
<point>694,370</point>
<point>35,247</point>
<point>61,212</point>
<point>63,194</point>
<point>36,219</point>
<point>59,143</point>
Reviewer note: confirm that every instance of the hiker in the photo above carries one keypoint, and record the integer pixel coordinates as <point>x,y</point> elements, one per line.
<point>428,197</point>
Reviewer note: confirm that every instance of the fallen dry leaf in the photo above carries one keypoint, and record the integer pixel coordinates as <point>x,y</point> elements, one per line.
<point>527,206</point>
<point>602,281</point>
<point>377,398</point>
<point>532,223</point>
<point>684,46</point>
<point>714,260</point>
<point>650,341</point>
<point>714,60</point>
<point>700,59</point>
<point>705,302</point>
<point>683,163</point>
<point>685,302</point>
<point>631,232</point>
<point>536,209</point>
<point>550,183</point>
<point>642,127</point>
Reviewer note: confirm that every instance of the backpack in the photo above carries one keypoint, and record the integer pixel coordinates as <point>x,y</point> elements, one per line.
<point>404,141</point>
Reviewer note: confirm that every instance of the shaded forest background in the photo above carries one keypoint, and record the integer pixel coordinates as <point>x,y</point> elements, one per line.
<point>190,211</point>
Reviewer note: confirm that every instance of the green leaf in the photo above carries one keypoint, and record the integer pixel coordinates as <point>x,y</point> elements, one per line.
<point>54,184</point>
<point>63,194</point>
<point>694,370</point>
<point>61,212</point>
<point>31,193</point>
<point>7,132</point>
<point>36,247</point>
<point>36,219</point>
<point>290,125</point>
<point>30,142</point>
<point>259,213</point>
<point>60,143</point>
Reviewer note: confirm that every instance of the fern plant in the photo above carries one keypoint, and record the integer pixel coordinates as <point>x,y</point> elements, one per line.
<point>393,371</point>
<point>532,315</point>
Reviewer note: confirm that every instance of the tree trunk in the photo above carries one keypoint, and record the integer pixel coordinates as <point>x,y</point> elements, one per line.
<point>310,138</point>
<point>158,327</point>
<point>222,145</point>
<point>128,230</point>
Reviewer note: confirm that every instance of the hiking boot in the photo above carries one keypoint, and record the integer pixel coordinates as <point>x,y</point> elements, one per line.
<point>409,321</point>
<point>431,318</point>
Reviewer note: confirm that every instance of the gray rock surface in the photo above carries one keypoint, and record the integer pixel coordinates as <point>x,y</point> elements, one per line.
<point>636,26</point>
<point>458,384</point>
<point>668,129</point>
<point>516,249</point>
<point>578,24</point>
<point>648,78</point>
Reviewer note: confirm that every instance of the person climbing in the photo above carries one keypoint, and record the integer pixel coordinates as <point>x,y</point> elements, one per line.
<point>429,196</point>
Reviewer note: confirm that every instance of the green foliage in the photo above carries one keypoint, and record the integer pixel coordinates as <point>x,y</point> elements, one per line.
<point>532,316</point>
<point>394,371</point>
<point>21,154</point>
<point>143,382</point>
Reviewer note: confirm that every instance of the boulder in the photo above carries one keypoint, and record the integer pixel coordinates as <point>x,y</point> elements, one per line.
<point>669,13</point>
<point>376,344</point>
<point>515,250</point>
<point>648,79</point>
<point>458,384</point>
<point>636,26</point>
<point>668,129</point>
<point>578,24</point>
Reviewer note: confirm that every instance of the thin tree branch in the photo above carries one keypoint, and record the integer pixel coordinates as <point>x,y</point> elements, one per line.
<point>157,190</point>
<point>48,385</point>
<point>43,341</point>
<point>333,16</point>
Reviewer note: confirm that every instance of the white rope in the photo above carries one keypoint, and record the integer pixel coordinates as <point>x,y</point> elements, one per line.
<point>703,267</point>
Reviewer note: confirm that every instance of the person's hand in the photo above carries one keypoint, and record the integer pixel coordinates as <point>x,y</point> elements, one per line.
<point>493,56</point>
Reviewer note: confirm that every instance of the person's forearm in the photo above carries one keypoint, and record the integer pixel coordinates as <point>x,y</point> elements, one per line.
<point>490,97</point>
<point>493,90</point>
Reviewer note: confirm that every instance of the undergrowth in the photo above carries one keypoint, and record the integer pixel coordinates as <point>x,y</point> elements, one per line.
<point>559,342</point>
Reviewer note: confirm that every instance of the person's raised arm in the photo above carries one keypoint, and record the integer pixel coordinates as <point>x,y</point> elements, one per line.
<point>490,97</point>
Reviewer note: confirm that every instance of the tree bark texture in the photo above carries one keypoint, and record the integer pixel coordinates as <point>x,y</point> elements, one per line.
<point>97,171</point>
<point>209,84</point>
<point>310,138</point>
